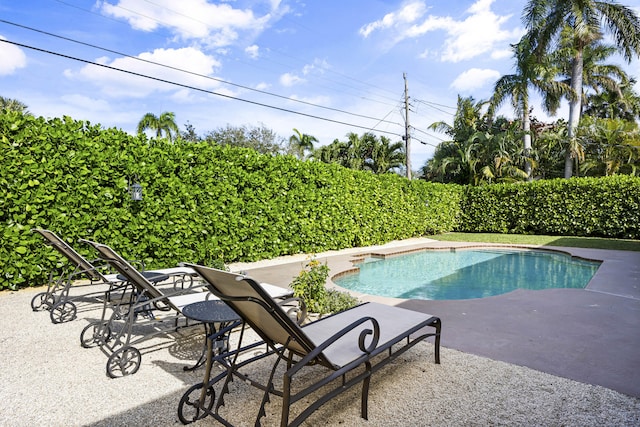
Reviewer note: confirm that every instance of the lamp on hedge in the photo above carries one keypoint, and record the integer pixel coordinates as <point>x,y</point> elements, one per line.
<point>135,189</point>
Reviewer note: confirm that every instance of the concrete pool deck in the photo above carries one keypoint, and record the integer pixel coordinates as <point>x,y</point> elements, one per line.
<point>588,335</point>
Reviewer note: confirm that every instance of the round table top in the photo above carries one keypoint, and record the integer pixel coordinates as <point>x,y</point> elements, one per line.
<point>210,311</point>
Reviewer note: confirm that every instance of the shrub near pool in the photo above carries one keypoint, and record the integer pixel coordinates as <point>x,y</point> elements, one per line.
<point>598,207</point>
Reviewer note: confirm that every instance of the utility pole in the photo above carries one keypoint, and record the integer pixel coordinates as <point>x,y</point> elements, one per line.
<point>407,134</point>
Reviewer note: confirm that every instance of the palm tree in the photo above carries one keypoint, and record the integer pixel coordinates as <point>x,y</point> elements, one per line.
<point>301,142</point>
<point>546,19</point>
<point>385,156</point>
<point>457,161</point>
<point>613,145</point>
<point>468,120</point>
<point>166,123</point>
<point>357,149</point>
<point>502,155</point>
<point>597,76</point>
<point>331,153</point>
<point>549,148</point>
<point>623,103</point>
<point>365,152</point>
<point>529,72</point>
<point>13,105</point>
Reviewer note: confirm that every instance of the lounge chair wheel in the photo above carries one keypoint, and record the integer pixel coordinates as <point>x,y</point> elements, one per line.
<point>42,301</point>
<point>63,311</point>
<point>190,403</point>
<point>123,362</point>
<point>95,334</point>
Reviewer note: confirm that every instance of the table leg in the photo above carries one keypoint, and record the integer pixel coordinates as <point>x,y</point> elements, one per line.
<point>208,328</point>
<point>213,339</point>
<point>207,372</point>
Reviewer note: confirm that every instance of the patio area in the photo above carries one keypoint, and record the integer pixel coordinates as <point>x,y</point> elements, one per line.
<point>554,357</point>
<point>588,335</point>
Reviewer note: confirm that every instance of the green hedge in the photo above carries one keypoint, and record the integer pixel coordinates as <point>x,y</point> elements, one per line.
<point>201,202</point>
<point>599,207</point>
<point>205,203</point>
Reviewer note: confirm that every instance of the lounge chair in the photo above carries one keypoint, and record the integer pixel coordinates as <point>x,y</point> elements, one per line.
<point>114,332</point>
<point>56,298</point>
<point>352,345</point>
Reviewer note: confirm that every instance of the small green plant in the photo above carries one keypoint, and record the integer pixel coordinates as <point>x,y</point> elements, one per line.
<point>309,286</point>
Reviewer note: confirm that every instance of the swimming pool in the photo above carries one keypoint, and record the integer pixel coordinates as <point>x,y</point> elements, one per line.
<point>466,273</point>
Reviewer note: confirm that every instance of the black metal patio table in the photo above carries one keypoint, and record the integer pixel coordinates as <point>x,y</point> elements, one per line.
<point>216,316</point>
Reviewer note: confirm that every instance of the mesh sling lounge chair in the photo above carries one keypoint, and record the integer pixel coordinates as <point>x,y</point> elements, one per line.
<point>351,344</point>
<point>56,298</point>
<point>114,333</point>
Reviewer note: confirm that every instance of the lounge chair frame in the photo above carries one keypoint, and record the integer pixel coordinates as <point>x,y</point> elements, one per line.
<point>57,300</point>
<point>114,333</point>
<point>120,328</point>
<point>352,345</point>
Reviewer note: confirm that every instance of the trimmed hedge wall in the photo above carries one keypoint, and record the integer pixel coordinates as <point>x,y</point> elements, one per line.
<point>201,202</point>
<point>599,207</point>
<point>204,203</point>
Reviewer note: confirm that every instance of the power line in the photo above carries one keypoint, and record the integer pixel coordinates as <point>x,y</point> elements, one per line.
<point>144,16</point>
<point>424,142</point>
<point>165,8</point>
<point>436,106</point>
<point>88,11</point>
<point>191,87</point>
<point>190,72</point>
<point>381,120</point>
<point>351,89</point>
<point>341,75</point>
<point>276,50</point>
<point>234,84</point>
<point>428,134</point>
<point>332,81</point>
<point>272,50</point>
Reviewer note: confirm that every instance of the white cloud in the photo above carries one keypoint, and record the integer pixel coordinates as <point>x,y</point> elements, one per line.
<point>475,35</point>
<point>428,54</point>
<point>318,66</point>
<point>407,14</point>
<point>183,96</point>
<point>118,84</point>
<point>212,24</point>
<point>253,51</point>
<point>480,6</point>
<point>501,54</point>
<point>474,78</point>
<point>93,109</point>
<point>13,58</point>
<point>317,100</point>
<point>86,103</point>
<point>290,79</point>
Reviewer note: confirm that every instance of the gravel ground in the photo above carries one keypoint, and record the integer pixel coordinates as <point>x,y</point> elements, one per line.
<point>48,379</point>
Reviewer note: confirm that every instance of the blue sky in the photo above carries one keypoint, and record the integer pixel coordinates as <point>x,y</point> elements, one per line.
<point>338,64</point>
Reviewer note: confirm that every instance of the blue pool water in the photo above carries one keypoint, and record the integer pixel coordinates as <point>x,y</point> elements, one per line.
<point>465,274</point>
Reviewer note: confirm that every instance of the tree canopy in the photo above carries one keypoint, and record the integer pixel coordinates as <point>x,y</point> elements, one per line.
<point>164,123</point>
<point>580,24</point>
<point>13,105</point>
<point>260,138</point>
